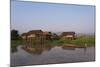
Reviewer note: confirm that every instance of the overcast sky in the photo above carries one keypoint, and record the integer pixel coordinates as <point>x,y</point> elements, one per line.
<point>27,16</point>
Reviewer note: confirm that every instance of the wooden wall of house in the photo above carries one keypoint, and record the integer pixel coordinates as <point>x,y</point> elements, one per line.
<point>36,40</point>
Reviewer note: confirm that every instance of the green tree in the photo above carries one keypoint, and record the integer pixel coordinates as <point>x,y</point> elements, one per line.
<point>14,35</point>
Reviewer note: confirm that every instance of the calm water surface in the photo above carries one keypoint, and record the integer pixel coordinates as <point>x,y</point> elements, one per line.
<point>52,55</point>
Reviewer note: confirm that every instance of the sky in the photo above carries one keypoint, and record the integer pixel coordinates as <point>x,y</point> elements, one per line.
<point>26,16</point>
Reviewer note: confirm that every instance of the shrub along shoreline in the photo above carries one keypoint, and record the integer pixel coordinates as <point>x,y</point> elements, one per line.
<point>78,42</point>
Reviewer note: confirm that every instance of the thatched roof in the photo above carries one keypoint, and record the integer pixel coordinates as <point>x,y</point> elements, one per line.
<point>32,32</point>
<point>68,33</point>
<point>35,32</point>
<point>47,33</point>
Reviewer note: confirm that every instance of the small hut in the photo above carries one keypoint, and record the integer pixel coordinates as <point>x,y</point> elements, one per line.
<point>35,35</point>
<point>68,35</point>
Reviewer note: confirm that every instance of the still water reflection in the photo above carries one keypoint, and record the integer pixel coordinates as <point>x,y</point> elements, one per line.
<point>49,54</point>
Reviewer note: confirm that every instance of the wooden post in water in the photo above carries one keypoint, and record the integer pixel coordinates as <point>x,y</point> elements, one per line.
<point>85,45</point>
<point>85,48</point>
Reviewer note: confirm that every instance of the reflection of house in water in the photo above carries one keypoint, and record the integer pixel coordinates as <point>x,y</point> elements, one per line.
<point>68,35</point>
<point>37,49</point>
<point>40,48</point>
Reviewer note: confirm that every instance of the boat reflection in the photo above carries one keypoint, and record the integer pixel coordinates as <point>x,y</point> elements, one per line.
<point>68,48</point>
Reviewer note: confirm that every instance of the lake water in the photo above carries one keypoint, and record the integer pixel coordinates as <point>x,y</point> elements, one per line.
<point>52,55</point>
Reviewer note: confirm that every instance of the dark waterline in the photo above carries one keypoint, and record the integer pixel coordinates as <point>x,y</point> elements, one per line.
<point>53,55</point>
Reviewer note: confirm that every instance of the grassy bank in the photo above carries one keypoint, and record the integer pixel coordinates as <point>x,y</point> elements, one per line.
<point>79,41</point>
<point>89,41</point>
